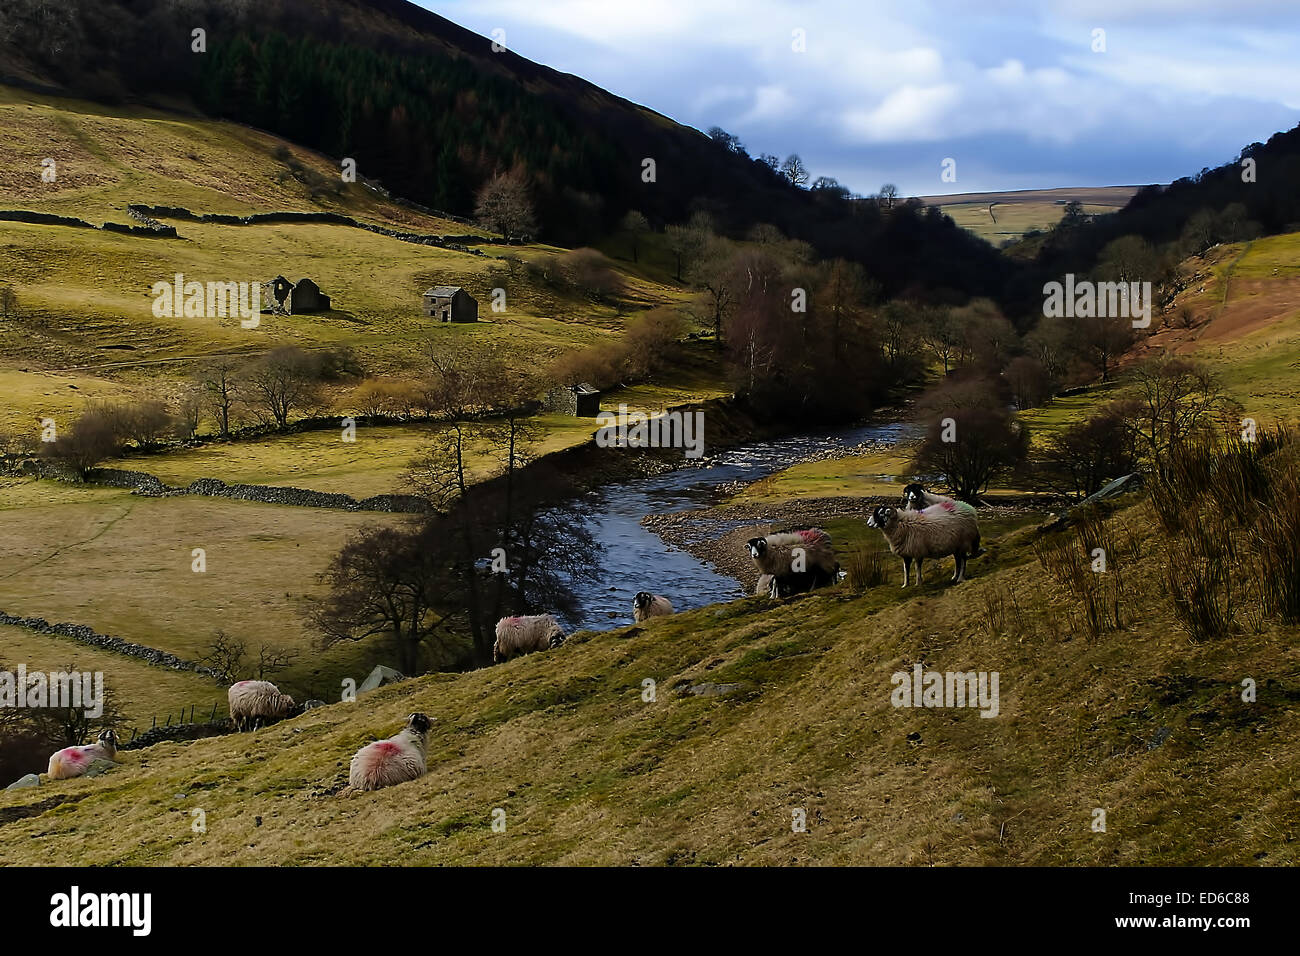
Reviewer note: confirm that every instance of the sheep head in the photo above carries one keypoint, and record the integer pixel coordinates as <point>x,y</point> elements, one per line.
<point>642,599</point>
<point>757,547</point>
<point>884,517</point>
<point>914,496</point>
<point>419,723</point>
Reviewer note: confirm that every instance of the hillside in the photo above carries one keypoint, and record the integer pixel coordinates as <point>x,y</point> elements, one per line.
<point>1002,216</point>
<point>759,710</point>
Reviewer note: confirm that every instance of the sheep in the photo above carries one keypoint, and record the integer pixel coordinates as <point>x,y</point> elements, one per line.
<point>74,761</point>
<point>395,760</point>
<point>256,700</point>
<point>646,605</point>
<point>916,498</point>
<point>795,560</point>
<point>524,635</point>
<point>937,531</point>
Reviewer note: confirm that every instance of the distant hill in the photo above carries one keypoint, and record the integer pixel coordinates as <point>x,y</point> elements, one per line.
<point>428,109</point>
<point>1000,216</point>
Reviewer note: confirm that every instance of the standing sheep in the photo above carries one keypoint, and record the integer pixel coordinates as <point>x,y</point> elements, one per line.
<point>795,560</point>
<point>395,760</point>
<point>74,761</point>
<point>524,635</point>
<point>257,700</point>
<point>936,532</point>
<point>647,605</point>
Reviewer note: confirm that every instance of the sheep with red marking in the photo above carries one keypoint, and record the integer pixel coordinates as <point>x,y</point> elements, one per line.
<point>253,701</point>
<point>396,760</point>
<point>795,561</point>
<point>526,635</point>
<point>74,761</point>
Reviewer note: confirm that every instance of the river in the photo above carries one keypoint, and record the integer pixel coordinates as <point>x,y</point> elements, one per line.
<point>637,559</point>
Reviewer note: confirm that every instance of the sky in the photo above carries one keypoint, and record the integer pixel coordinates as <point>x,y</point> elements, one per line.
<point>1019,94</point>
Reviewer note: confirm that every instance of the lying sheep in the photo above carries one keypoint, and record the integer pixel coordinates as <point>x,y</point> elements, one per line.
<point>74,761</point>
<point>395,760</point>
<point>936,532</point>
<point>795,560</point>
<point>524,635</point>
<point>253,701</point>
<point>647,605</point>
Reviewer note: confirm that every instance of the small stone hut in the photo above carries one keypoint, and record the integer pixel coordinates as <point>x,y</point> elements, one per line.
<point>293,298</point>
<point>581,401</point>
<point>450,303</point>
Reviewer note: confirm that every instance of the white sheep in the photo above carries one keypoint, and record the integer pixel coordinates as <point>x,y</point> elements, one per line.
<point>524,635</point>
<point>74,761</point>
<point>395,760</point>
<point>936,532</point>
<point>257,700</point>
<point>794,560</point>
<point>647,605</point>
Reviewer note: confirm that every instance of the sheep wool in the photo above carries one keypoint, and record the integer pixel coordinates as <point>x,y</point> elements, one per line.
<point>74,761</point>
<point>524,635</point>
<point>646,605</point>
<point>916,498</point>
<point>396,760</point>
<point>764,587</point>
<point>252,701</point>
<point>940,530</point>
<point>793,561</point>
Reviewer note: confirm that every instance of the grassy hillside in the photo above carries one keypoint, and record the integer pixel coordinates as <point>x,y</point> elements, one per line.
<point>1138,722</point>
<point>999,216</point>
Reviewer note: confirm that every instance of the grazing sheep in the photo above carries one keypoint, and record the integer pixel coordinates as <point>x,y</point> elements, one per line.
<point>74,761</point>
<point>646,605</point>
<point>936,532</point>
<point>395,760</point>
<point>252,701</point>
<point>795,560</point>
<point>524,635</point>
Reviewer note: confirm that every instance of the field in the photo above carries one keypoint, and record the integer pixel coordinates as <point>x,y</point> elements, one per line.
<point>999,216</point>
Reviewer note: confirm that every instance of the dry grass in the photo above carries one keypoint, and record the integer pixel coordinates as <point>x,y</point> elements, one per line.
<point>1142,724</point>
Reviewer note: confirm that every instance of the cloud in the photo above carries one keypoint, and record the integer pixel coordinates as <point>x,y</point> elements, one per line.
<point>1010,87</point>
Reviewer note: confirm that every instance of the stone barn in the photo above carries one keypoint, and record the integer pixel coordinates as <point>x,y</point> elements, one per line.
<point>581,401</point>
<point>450,303</point>
<point>281,295</point>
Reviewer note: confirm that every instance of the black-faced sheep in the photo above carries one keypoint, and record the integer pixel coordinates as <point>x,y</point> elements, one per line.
<point>795,560</point>
<point>938,531</point>
<point>646,605</point>
<point>396,760</point>
<point>74,761</point>
<point>916,498</point>
<point>524,635</point>
<point>254,701</point>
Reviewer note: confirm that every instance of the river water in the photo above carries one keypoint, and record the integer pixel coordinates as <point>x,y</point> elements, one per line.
<point>637,559</point>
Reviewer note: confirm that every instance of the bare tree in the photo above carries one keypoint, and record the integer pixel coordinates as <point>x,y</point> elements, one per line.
<point>503,205</point>
<point>888,195</point>
<point>635,225</point>
<point>1175,399</point>
<point>284,381</point>
<point>91,438</point>
<point>794,170</point>
<point>221,390</point>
